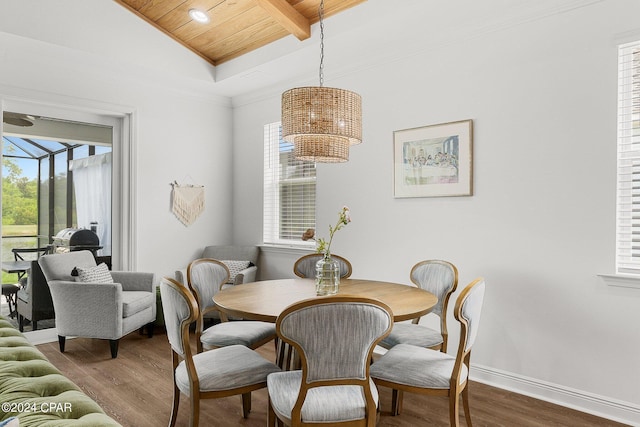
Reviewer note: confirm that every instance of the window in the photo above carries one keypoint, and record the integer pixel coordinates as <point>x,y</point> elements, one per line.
<point>115,124</point>
<point>39,191</point>
<point>628,201</point>
<point>289,192</point>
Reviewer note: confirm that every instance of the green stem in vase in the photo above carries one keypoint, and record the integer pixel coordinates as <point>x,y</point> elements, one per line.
<point>344,218</point>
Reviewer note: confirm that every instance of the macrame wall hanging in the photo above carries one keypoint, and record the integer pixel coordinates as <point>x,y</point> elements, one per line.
<point>187,202</point>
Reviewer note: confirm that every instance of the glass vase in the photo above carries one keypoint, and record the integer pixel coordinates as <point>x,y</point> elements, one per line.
<point>327,276</point>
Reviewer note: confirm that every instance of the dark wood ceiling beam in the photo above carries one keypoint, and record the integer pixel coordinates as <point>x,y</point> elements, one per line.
<point>287,16</point>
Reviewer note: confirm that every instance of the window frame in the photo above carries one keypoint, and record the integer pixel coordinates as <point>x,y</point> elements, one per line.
<point>274,179</point>
<point>628,161</point>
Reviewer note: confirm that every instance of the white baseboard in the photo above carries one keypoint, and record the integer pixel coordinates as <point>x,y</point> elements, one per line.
<point>612,409</point>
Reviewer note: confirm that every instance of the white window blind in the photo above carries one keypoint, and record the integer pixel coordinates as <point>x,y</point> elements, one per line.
<point>628,200</point>
<point>289,192</point>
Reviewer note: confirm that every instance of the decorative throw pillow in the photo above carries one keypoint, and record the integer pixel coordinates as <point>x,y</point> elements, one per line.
<point>98,274</point>
<point>235,267</point>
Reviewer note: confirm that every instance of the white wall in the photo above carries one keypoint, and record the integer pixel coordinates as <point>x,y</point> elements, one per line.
<point>179,134</point>
<point>540,226</point>
<point>541,90</point>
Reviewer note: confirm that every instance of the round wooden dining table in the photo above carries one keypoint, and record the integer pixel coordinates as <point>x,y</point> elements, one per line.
<point>265,300</point>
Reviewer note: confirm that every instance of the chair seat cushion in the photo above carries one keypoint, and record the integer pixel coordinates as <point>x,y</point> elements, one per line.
<point>417,367</point>
<point>242,332</point>
<point>409,333</point>
<point>9,289</point>
<point>135,301</point>
<point>323,404</point>
<point>241,367</point>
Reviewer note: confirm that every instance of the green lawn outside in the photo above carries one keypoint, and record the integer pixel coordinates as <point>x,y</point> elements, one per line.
<point>20,230</point>
<point>18,241</point>
<point>9,278</point>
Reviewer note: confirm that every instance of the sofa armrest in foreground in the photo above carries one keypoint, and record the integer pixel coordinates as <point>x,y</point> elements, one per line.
<point>36,392</point>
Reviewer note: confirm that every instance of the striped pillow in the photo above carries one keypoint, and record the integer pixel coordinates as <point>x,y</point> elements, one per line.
<point>98,274</point>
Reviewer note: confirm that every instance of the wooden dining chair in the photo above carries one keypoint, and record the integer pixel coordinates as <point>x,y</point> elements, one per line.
<point>441,279</point>
<point>421,370</point>
<point>334,338</point>
<point>228,371</point>
<point>305,266</point>
<point>205,278</point>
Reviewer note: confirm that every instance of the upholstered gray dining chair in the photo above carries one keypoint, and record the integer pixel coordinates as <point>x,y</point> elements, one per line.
<point>205,278</point>
<point>425,371</point>
<point>441,279</point>
<point>98,303</point>
<point>305,266</point>
<point>228,371</point>
<point>334,338</point>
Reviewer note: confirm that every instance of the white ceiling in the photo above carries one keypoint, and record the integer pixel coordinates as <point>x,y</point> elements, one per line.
<point>377,31</point>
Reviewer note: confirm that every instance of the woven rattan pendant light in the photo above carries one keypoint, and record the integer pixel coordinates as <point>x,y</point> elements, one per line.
<point>321,122</point>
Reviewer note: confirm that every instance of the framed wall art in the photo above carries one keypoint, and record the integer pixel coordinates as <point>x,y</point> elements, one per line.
<point>433,161</point>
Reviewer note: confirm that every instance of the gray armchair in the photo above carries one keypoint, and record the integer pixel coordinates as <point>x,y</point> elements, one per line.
<point>230,253</point>
<point>98,310</point>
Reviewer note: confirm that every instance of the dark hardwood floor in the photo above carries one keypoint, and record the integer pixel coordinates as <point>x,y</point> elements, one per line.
<point>136,389</point>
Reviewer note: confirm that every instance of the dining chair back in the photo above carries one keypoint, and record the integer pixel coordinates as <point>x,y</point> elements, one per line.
<point>441,279</point>
<point>425,371</point>
<point>228,371</point>
<point>205,278</point>
<point>28,254</point>
<point>305,266</point>
<point>19,254</point>
<point>334,338</point>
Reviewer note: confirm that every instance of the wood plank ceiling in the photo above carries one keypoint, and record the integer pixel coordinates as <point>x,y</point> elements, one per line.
<point>236,27</point>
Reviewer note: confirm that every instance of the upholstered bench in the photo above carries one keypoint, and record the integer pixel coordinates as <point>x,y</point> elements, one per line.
<point>34,391</point>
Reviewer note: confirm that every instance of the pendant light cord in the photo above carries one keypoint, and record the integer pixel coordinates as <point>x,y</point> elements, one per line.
<point>321,16</point>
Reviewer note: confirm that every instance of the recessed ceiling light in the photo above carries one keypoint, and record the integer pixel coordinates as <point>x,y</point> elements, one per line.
<point>199,16</point>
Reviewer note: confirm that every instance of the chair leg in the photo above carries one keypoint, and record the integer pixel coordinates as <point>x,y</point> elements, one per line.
<point>246,404</point>
<point>11,302</point>
<point>150,329</point>
<point>271,415</point>
<point>20,323</point>
<point>454,405</point>
<point>113,344</point>
<point>61,343</point>
<point>176,403</point>
<point>195,410</point>
<point>372,417</point>
<point>396,402</point>
<point>34,325</point>
<point>465,404</point>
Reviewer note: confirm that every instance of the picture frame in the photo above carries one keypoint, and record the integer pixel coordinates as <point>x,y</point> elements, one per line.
<point>434,160</point>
